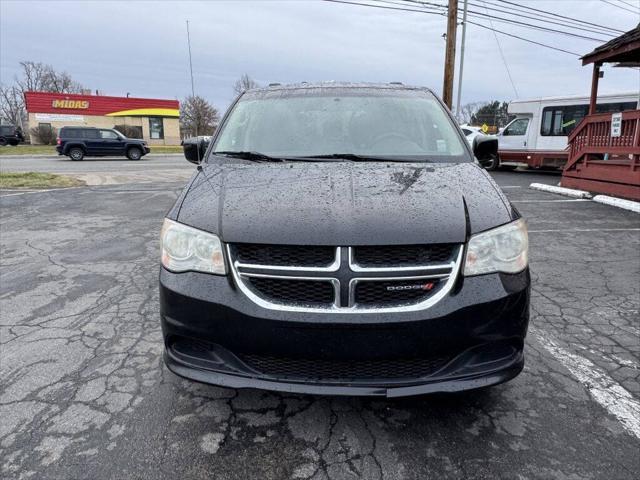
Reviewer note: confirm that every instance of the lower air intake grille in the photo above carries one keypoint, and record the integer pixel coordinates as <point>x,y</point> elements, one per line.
<point>345,369</point>
<point>294,291</point>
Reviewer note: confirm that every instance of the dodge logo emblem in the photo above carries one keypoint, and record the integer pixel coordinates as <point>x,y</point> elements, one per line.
<point>420,286</point>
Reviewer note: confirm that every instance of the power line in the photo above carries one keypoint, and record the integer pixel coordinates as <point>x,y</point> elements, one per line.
<point>525,39</point>
<point>381,6</point>
<point>429,7</point>
<point>619,6</point>
<point>520,14</point>
<point>475,13</point>
<point>630,4</point>
<point>468,21</point>
<point>504,60</point>
<point>558,15</point>
<point>550,16</point>
<point>581,26</point>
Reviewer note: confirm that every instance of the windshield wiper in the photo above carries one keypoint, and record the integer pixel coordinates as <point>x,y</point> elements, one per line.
<point>362,158</point>
<point>261,157</point>
<point>253,156</point>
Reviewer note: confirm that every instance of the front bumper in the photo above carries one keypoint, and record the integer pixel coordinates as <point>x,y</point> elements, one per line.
<point>473,338</point>
<point>146,149</point>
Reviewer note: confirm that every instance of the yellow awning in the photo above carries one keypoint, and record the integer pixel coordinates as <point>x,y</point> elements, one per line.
<point>147,112</point>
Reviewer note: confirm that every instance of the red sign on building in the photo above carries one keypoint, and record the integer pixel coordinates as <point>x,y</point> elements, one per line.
<point>99,105</point>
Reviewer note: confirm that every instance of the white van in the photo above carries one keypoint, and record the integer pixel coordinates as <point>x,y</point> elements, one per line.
<point>537,137</point>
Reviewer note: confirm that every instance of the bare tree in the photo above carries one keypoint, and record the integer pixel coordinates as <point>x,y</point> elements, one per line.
<point>61,82</point>
<point>12,108</point>
<point>245,82</point>
<point>40,77</point>
<point>197,116</point>
<point>35,77</point>
<point>467,111</point>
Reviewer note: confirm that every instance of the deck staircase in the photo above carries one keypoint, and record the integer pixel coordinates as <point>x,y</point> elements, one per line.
<point>601,163</point>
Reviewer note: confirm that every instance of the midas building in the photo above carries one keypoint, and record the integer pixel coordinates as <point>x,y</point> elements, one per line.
<point>151,119</point>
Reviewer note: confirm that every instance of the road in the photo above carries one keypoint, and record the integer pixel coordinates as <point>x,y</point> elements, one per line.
<point>106,171</point>
<point>85,395</point>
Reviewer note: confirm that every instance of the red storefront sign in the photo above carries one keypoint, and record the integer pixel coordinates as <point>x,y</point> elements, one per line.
<point>99,105</point>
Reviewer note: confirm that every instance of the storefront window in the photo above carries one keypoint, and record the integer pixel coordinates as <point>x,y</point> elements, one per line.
<point>156,128</point>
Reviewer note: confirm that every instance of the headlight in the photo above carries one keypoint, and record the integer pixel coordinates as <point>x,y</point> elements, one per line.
<point>186,248</point>
<point>503,249</point>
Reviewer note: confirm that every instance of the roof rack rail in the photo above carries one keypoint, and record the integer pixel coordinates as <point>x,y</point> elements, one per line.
<point>274,84</point>
<point>396,83</point>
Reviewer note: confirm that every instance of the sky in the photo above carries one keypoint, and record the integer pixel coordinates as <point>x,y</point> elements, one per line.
<point>140,47</point>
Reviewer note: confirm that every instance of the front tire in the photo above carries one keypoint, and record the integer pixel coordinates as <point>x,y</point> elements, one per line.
<point>134,153</point>
<point>492,163</point>
<point>76,154</point>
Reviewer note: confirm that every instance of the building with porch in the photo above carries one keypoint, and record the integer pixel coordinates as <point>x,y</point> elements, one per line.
<point>604,149</point>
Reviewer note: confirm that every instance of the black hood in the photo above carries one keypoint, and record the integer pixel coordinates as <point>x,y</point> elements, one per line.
<point>327,203</point>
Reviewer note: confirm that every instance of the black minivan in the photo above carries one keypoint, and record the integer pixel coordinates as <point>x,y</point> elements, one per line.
<point>342,239</point>
<point>80,142</point>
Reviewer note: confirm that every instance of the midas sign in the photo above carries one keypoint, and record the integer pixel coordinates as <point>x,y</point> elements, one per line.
<point>77,104</point>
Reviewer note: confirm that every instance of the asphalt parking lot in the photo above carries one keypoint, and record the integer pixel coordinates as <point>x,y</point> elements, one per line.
<point>85,395</point>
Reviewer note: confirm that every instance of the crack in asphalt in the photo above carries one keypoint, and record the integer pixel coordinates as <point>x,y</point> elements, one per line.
<point>85,395</point>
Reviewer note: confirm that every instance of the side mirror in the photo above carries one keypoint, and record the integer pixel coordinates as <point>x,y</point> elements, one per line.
<point>195,148</point>
<point>485,147</point>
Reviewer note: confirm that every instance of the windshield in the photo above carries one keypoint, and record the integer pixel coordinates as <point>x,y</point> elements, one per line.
<point>399,124</point>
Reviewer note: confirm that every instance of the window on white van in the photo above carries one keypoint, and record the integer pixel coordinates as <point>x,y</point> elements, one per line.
<point>518,127</point>
<point>561,120</point>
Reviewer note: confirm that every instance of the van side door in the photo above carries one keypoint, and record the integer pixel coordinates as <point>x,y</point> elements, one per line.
<point>515,135</point>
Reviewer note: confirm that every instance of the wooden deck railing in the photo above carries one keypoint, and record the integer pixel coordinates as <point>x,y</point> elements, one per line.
<point>602,163</point>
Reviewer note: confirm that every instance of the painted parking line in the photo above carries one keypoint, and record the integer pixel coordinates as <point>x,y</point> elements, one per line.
<point>616,399</point>
<point>565,230</point>
<point>552,201</point>
<point>2,194</point>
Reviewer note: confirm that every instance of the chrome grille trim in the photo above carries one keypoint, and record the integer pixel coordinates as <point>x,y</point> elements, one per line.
<point>413,268</point>
<point>334,282</point>
<point>449,271</point>
<point>334,267</point>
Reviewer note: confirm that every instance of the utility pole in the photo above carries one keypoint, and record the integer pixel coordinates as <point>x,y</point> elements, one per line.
<point>450,53</point>
<point>464,32</point>
<point>193,91</point>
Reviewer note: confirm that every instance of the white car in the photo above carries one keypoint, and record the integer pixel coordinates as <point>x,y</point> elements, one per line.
<point>471,132</point>
<point>490,163</point>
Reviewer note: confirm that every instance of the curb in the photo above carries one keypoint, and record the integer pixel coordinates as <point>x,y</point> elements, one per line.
<point>618,202</point>
<point>568,192</point>
<point>604,199</point>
